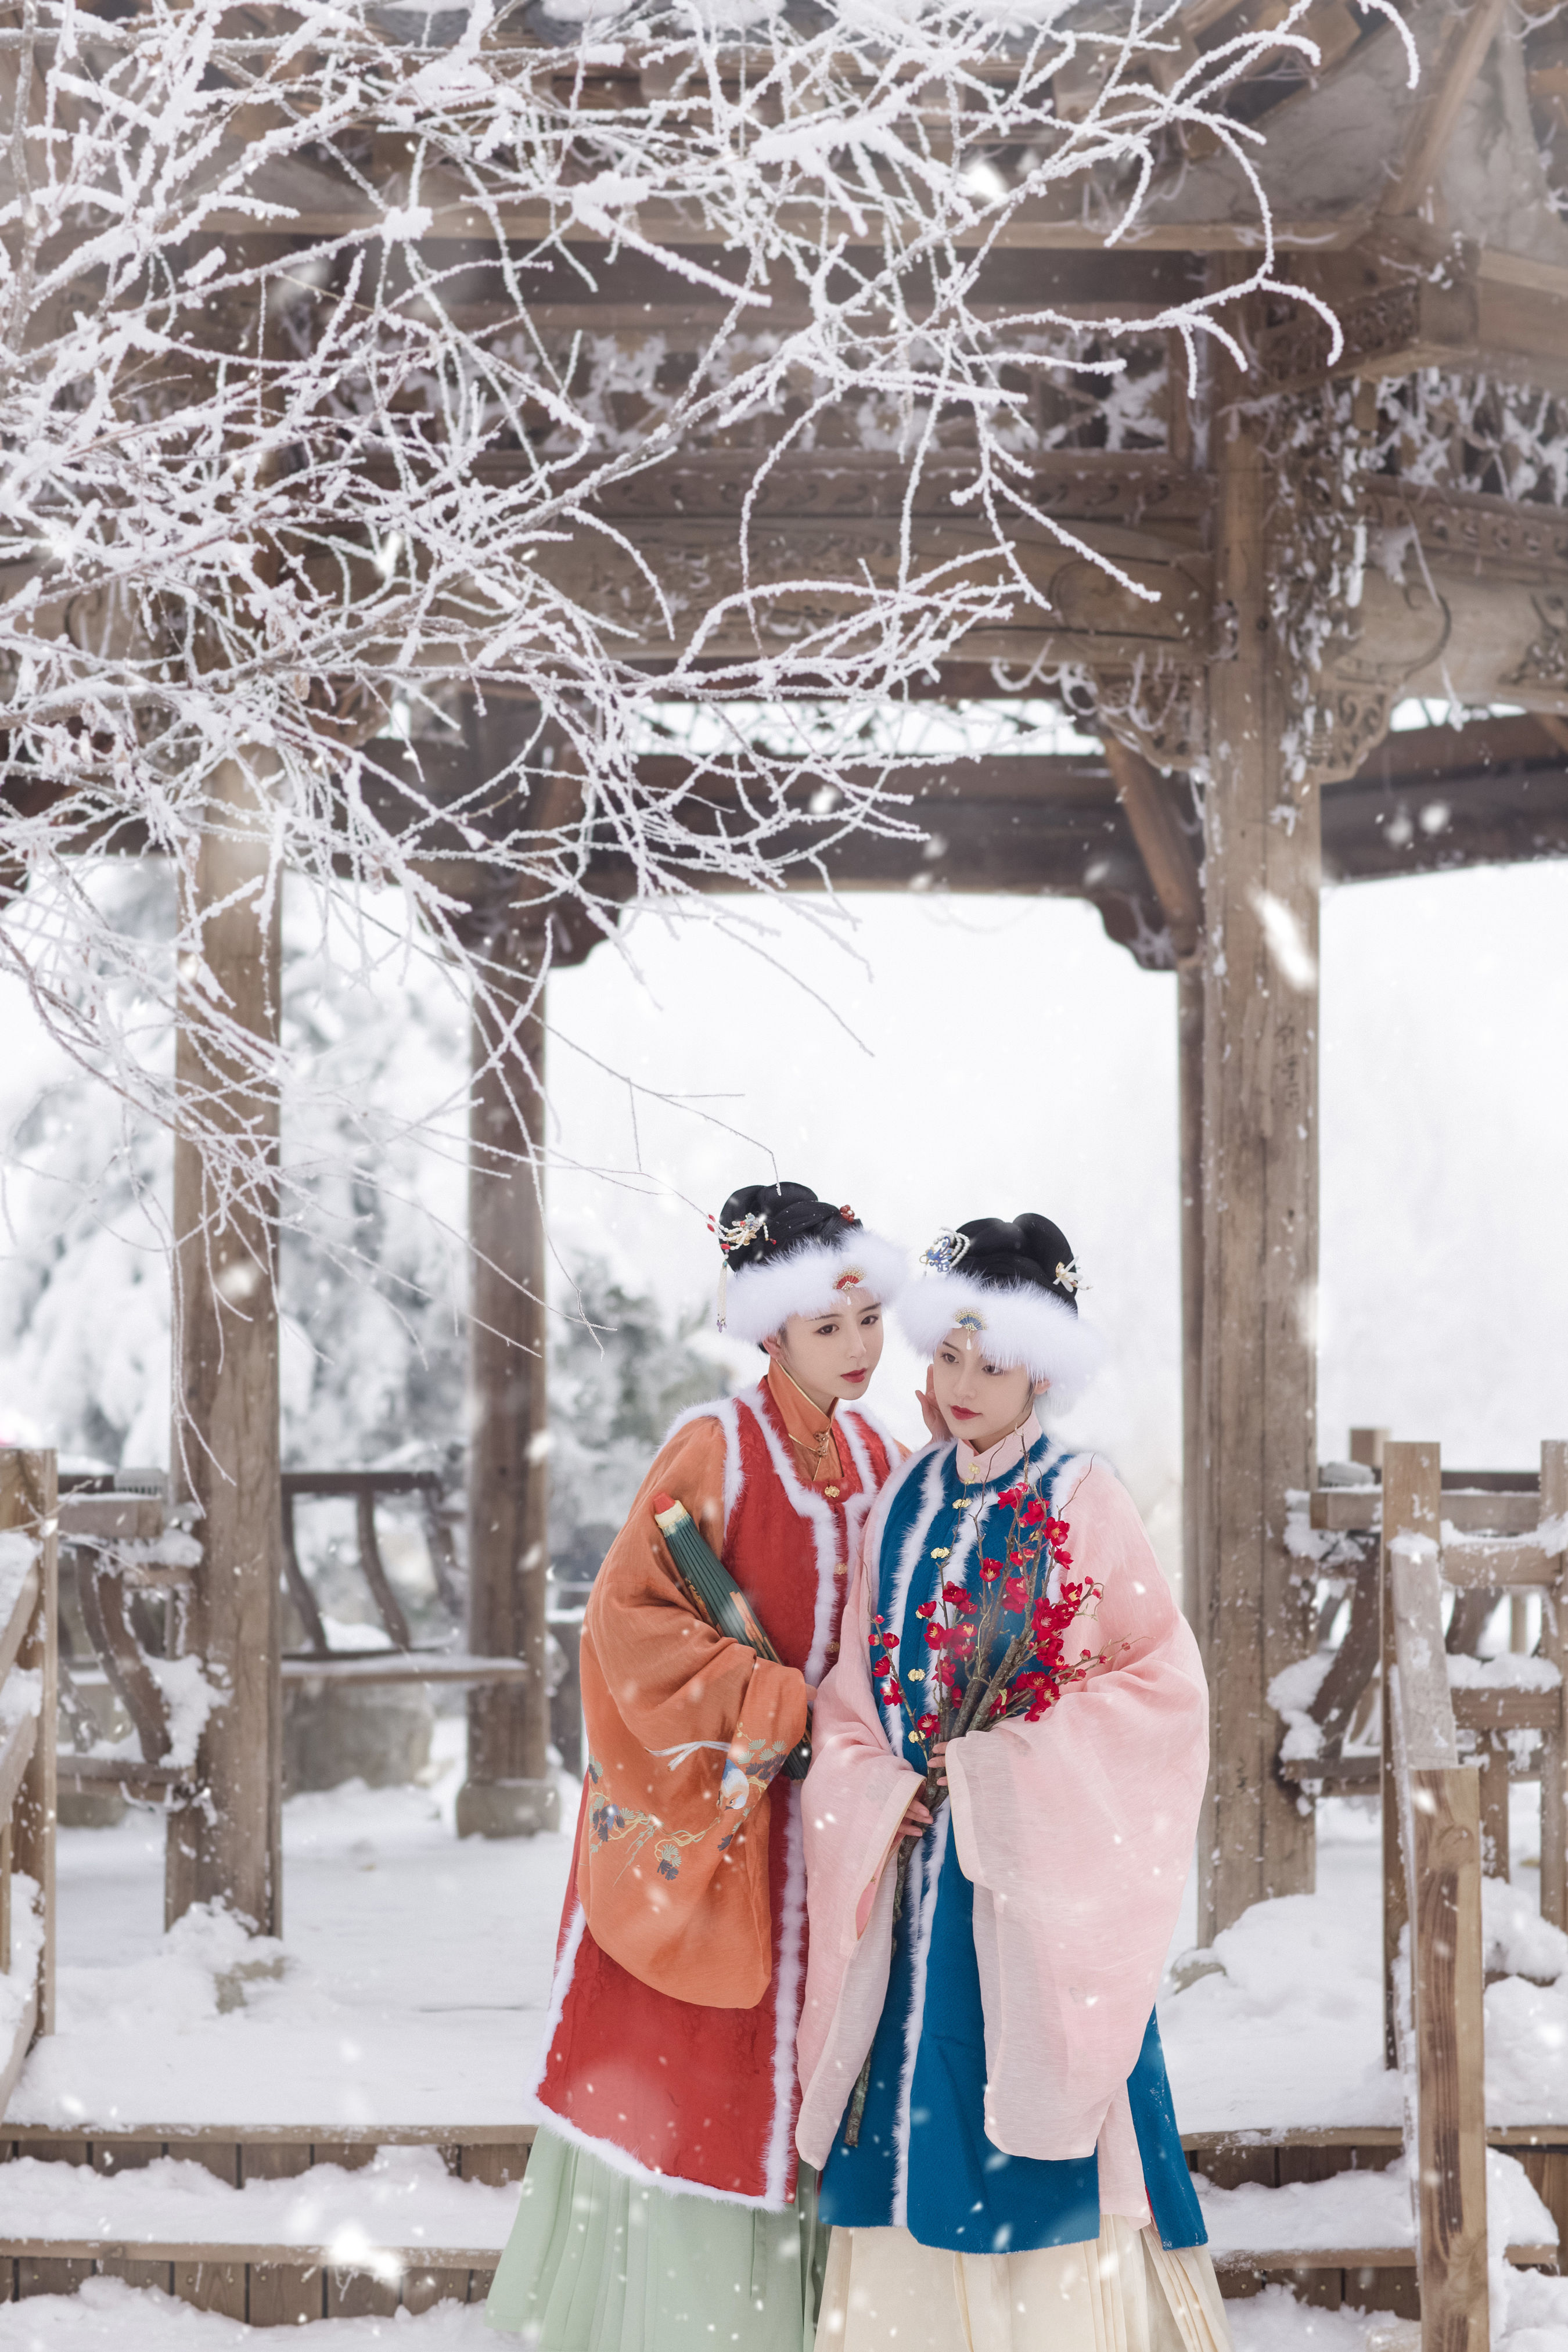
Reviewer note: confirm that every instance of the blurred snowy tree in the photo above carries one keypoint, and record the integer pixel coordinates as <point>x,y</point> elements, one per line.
<point>618,1376</point>
<point>374,1257</point>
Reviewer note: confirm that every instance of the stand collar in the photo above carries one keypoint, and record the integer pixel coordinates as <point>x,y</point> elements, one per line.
<point>1000,1458</point>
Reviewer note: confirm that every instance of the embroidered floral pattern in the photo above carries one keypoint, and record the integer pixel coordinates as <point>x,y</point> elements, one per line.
<point>613,1824</point>
<point>749,1766</point>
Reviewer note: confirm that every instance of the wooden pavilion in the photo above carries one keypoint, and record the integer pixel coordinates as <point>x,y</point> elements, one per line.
<point>1324,545</point>
<point>1328,538</point>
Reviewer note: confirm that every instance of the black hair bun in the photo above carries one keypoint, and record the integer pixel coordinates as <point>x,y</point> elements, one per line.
<point>1025,1248</point>
<point>780,1216</point>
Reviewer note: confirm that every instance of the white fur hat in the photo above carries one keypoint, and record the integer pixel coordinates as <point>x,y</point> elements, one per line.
<point>1023,1320</point>
<point>810,1279</point>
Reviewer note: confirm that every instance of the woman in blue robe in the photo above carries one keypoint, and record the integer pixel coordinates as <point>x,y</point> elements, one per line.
<point>1002,2165</point>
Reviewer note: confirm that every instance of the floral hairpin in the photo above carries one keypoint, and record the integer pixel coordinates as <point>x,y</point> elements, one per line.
<point>1069,1276</point>
<point>730,1238</point>
<point>946,1252</point>
<point>737,1236</point>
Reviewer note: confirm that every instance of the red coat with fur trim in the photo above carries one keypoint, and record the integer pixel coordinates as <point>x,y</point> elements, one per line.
<point>671,2048</point>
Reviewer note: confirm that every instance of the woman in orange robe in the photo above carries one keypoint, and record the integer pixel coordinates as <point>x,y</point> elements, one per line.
<point>662,2204</point>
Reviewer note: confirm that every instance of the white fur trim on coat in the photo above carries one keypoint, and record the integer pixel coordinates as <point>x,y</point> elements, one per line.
<point>804,1281</point>
<point>1018,1324</point>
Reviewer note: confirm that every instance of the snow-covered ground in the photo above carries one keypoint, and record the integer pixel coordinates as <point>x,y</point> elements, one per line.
<point>411,1985</point>
<point>1291,2033</point>
<point>107,2316</point>
<point>413,1975</point>
<point>404,2198</point>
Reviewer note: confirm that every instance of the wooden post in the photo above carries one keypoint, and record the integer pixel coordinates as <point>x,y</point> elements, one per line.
<point>1451,2073</point>
<point>224,1454</point>
<point>1412,1505</point>
<point>1190,1120</point>
<point>1366,1447</point>
<point>1262,860</point>
<point>1554,1646</point>
<point>1440,1817</point>
<point>1172,871</point>
<point>509,1791</point>
<point>29,1504</point>
<point>1493,1783</point>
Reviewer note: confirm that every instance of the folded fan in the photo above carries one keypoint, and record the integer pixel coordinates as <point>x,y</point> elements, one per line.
<point>720,1597</point>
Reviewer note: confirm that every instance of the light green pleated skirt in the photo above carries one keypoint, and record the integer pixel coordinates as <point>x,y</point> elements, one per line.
<point>598,2262</point>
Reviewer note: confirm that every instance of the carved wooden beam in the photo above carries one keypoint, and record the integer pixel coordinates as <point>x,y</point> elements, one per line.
<point>1408,298</point>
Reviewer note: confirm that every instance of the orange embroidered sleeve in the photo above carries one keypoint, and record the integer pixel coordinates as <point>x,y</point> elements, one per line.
<point>686,1729</point>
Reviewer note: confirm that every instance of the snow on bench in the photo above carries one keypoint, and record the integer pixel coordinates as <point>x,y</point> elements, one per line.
<point>1361,2218</point>
<point>402,2208</point>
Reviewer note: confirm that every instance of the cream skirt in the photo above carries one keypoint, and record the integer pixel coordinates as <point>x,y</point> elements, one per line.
<point>884,2293</point>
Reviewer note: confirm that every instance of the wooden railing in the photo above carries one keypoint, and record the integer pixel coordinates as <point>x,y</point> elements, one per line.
<point>27,1700</point>
<point>1494,1551</point>
<point>1432,1847</point>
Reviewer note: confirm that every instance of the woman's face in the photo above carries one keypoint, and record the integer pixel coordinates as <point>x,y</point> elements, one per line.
<point>979,1401</point>
<point>832,1356</point>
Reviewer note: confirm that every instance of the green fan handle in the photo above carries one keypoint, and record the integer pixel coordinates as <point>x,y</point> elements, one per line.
<point>715,1590</point>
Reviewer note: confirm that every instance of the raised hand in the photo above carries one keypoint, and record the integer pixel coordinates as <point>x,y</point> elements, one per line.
<point>926,1399</point>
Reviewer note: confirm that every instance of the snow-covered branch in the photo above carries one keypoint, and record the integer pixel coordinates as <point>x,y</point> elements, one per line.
<point>294,462</point>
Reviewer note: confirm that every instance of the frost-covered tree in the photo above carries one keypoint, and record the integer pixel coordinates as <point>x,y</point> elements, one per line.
<point>373,1269</point>
<point>275,481</point>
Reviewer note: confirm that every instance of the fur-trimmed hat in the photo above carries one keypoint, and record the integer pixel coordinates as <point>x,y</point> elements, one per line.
<point>1016,1281</point>
<point>787,1253</point>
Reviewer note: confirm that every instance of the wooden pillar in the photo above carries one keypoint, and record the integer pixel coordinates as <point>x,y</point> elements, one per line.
<point>1262,856</point>
<point>509,1791</point>
<point>29,1505</point>
<point>1412,1506</point>
<point>224,1454</point>
<point>1440,1839</point>
<point>1174,875</point>
<point>1554,1649</point>
<point>1190,1121</point>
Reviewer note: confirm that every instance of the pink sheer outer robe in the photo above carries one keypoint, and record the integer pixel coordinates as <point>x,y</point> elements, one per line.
<point>1077,1832</point>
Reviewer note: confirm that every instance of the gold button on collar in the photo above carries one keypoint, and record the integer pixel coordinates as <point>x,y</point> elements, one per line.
<point>831,1492</point>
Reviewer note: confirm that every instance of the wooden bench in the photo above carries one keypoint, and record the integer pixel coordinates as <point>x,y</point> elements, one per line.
<point>127,1549</point>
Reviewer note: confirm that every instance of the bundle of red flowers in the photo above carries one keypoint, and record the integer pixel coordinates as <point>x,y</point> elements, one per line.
<point>982,1671</point>
<point>975,1686</point>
